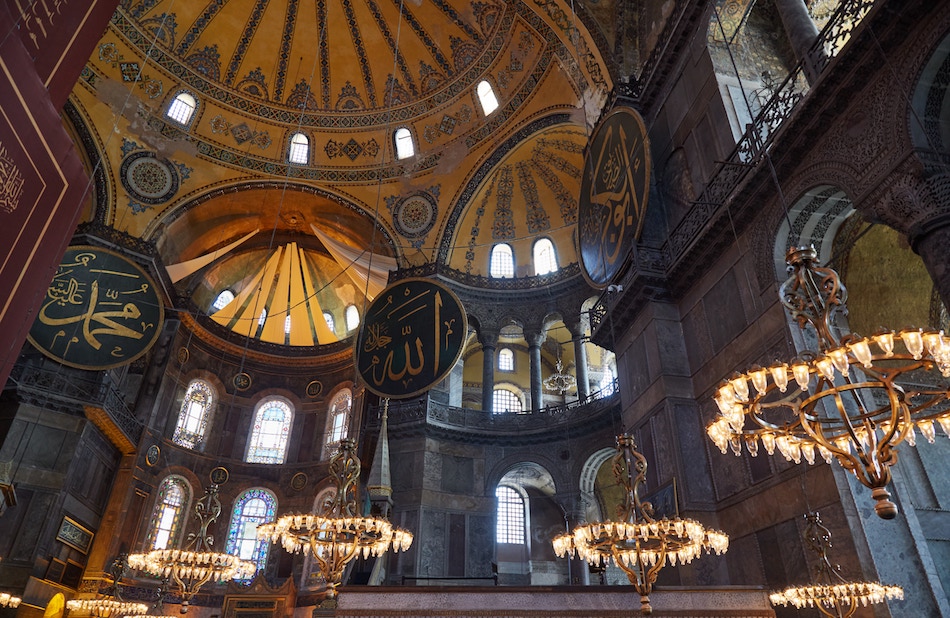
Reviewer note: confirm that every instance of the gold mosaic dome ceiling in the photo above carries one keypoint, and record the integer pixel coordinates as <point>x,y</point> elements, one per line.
<point>346,75</point>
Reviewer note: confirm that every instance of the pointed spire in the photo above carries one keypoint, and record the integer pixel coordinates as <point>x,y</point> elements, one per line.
<point>379,484</point>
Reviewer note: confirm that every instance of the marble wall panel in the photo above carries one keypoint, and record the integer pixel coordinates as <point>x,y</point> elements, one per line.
<point>458,474</point>
<point>432,549</point>
<point>480,545</point>
<point>725,317</point>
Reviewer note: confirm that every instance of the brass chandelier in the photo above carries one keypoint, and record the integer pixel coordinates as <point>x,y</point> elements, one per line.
<point>338,534</point>
<point>197,564</point>
<point>843,402</point>
<point>834,597</point>
<point>105,608</point>
<point>638,543</point>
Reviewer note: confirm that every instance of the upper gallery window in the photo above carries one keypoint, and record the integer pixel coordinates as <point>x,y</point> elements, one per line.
<point>182,108</point>
<point>545,260</point>
<point>505,401</point>
<point>502,262</point>
<point>403,142</point>
<point>222,300</point>
<point>330,322</point>
<point>299,151</point>
<point>486,96</point>
<point>194,415</point>
<point>270,432</point>
<point>337,419</point>
<point>352,317</point>
<point>252,508</point>
<point>510,523</point>
<point>173,496</point>
<point>506,360</point>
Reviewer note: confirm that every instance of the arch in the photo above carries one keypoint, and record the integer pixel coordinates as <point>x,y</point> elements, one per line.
<point>545,257</point>
<point>930,103</point>
<point>298,149</point>
<point>270,431</point>
<point>171,503</point>
<point>501,264</point>
<point>403,143</point>
<point>587,484</point>
<point>251,508</point>
<point>195,414</point>
<point>813,219</point>
<point>182,108</point>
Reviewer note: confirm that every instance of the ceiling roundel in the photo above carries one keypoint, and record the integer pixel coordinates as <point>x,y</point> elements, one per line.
<point>326,55</point>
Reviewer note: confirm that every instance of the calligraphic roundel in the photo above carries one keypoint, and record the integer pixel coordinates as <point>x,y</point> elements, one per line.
<point>411,337</point>
<point>615,187</point>
<point>100,311</point>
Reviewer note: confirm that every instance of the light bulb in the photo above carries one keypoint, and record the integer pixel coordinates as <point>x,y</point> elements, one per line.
<point>914,342</point>
<point>780,376</point>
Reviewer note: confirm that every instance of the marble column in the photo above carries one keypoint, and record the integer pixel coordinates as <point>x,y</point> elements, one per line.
<point>534,358</point>
<point>580,363</point>
<point>930,242</point>
<point>489,341</point>
<point>801,31</point>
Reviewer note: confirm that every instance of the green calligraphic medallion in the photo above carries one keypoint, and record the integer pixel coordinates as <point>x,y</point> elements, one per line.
<point>411,337</point>
<point>614,190</point>
<point>100,311</point>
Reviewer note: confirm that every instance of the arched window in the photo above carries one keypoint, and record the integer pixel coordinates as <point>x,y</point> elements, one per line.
<point>486,96</point>
<point>506,360</point>
<point>502,263</point>
<point>545,260</point>
<point>352,317</point>
<point>182,108</point>
<point>338,420</point>
<point>403,141</point>
<point>270,432</point>
<point>505,401</point>
<point>222,300</point>
<point>330,323</point>
<point>194,415</point>
<point>510,523</point>
<point>299,151</point>
<point>251,509</point>
<point>171,502</point>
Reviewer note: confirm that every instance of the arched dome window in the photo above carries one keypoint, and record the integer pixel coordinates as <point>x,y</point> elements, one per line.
<point>403,142</point>
<point>338,420</point>
<point>251,509</point>
<point>506,401</point>
<point>486,97</point>
<point>270,432</point>
<point>182,108</point>
<point>171,502</point>
<point>331,324</point>
<point>299,151</point>
<point>194,415</point>
<point>352,317</point>
<point>545,260</point>
<point>506,360</point>
<point>510,520</point>
<point>222,300</point>
<point>502,262</point>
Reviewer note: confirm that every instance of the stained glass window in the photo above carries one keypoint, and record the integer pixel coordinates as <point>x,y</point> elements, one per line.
<point>251,509</point>
<point>337,419</point>
<point>270,432</point>
<point>174,493</point>
<point>510,522</point>
<point>195,415</point>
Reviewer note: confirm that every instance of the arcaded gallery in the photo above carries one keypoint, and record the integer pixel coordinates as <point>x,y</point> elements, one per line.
<point>474,308</point>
